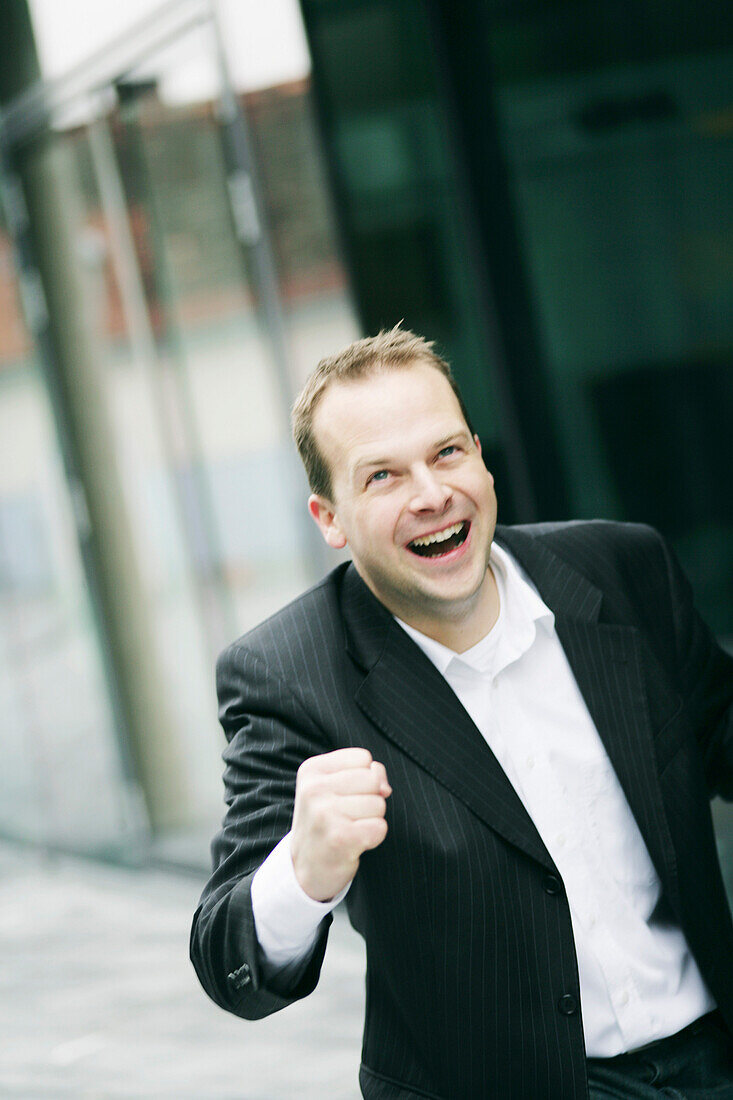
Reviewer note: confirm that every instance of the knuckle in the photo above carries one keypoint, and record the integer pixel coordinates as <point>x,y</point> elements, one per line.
<point>373,832</point>
<point>316,786</point>
<point>307,767</point>
<point>379,773</point>
<point>303,791</point>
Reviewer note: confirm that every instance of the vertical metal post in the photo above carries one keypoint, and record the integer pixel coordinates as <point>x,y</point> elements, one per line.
<point>249,218</point>
<point>192,502</point>
<point>36,196</point>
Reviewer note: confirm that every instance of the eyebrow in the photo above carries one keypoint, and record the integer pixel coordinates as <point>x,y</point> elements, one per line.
<point>368,463</point>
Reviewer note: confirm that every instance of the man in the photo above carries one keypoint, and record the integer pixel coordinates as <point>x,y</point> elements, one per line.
<point>500,746</point>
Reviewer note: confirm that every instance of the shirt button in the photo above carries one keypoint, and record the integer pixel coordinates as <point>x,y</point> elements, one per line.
<point>568,1005</point>
<point>561,840</point>
<point>591,922</point>
<point>624,998</point>
<point>530,761</point>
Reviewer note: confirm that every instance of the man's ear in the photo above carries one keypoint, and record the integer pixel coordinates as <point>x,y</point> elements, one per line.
<point>323,513</point>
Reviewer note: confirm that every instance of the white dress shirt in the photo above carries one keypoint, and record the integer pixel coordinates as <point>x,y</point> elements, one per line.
<point>638,979</point>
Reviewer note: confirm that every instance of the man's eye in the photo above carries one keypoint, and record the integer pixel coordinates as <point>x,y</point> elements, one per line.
<point>446,451</point>
<point>380,475</point>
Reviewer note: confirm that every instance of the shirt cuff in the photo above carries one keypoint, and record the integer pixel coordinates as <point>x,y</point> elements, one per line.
<point>286,918</point>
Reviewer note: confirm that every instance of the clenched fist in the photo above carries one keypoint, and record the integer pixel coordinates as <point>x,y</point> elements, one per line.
<point>340,803</point>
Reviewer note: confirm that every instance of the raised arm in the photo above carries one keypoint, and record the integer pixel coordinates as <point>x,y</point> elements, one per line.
<point>269,735</point>
<point>279,773</point>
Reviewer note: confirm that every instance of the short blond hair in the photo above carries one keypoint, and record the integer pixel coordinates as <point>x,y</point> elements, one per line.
<point>391,349</point>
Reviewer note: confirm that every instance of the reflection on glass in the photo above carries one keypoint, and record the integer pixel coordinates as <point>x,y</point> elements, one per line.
<point>60,777</point>
<point>205,313</point>
<point>623,196</point>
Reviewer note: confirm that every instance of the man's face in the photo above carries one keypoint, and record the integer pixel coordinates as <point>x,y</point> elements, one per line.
<point>404,467</point>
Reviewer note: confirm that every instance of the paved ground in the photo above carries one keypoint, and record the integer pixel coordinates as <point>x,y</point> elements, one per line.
<point>98,999</point>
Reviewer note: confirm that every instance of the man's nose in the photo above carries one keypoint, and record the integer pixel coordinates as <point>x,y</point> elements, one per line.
<point>429,494</point>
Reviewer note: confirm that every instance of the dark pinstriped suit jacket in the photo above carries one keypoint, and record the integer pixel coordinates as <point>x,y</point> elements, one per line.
<point>472,981</point>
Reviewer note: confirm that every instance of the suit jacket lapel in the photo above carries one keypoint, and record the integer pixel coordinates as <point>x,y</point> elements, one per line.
<point>406,697</point>
<point>607,660</point>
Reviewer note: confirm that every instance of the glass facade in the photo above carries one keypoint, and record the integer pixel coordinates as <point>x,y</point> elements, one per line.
<point>543,189</point>
<point>209,282</point>
<point>622,177</point>
<point>58,728</point>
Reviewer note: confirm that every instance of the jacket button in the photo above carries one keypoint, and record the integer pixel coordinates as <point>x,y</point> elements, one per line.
<point>568,1005</point>
<point>240,978</point>
<point>551,885</point>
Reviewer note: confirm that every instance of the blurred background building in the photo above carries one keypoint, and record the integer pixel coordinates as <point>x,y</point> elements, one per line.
<point>201,208</point>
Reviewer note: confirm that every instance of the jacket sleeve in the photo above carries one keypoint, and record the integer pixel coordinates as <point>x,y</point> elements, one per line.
<point>706,679</point>
<point>269,735</point>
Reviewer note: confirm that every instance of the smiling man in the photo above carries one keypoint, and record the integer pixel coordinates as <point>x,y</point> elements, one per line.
<point>499,745</point>
<point>411,498</point>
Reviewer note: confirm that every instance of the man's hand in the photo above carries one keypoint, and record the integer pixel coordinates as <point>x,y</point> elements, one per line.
<point>340,803</point>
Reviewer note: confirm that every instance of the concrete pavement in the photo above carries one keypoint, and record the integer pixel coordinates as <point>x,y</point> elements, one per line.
<point>99,1001</point>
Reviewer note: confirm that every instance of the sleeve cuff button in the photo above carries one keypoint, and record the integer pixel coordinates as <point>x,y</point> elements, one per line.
<point>240,978</point>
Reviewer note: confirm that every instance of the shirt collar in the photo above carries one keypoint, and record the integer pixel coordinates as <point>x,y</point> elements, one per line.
<point>521,592</point>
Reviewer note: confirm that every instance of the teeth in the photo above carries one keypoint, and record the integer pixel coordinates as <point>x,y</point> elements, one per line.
<point>439,536</point>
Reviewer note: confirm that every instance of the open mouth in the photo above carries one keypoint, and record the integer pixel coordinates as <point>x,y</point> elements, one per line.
<point>442,542</point>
